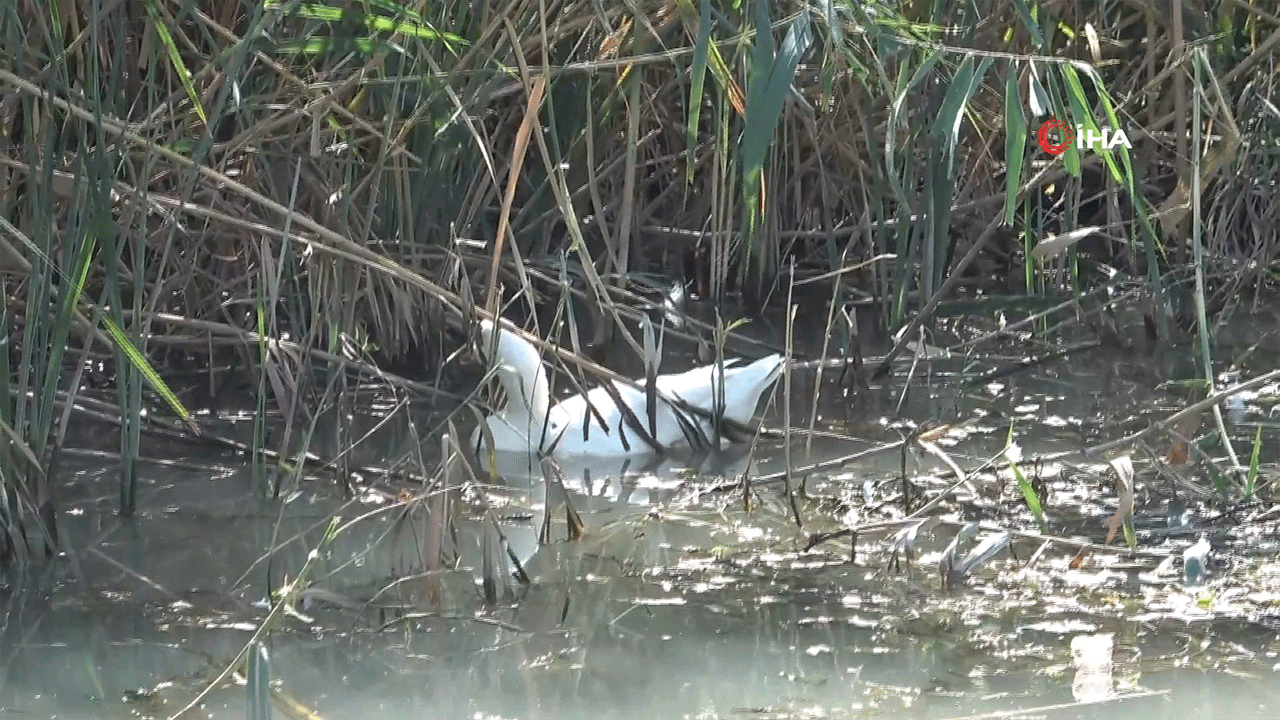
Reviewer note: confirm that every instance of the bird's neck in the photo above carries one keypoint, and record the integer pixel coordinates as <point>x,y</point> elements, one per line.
<point>528,396</point>
<point>532,394</point>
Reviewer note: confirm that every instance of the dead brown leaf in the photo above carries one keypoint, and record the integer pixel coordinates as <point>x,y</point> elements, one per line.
<point>1185,429</point>
<point>1081,557</point>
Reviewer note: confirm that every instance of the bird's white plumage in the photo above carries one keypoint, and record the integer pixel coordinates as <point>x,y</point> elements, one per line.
<point>572,429</point>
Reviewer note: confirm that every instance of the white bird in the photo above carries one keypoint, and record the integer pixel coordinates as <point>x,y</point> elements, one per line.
<point>530,423</point>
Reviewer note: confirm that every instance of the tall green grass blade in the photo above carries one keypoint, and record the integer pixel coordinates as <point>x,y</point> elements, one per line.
<point>395,9</point>
<point>831,18</point>
<point>258,683</point>
<point>1080,110</point>
<point>71,290</point>
<point>1029,494</point>
<point>895,114</point>
<point>698,72</point>
<point>715,61</point>
<point>963,84</point>
<point>35,342</point>
<point>261,479</point>
<point>1143,212</point>
<point>329,45</point>
<point>175,59</point>
<point>1063,112</point>
<point>415,27</point>
<point>9,400</point>
<point>1037,96</point>
<point>1015,142</point>
<point>941,168</point>
<point>1197,247</point>
<point>771,81</point>
<point>1113,121</point>
<point>1033,28</point>
<point>1251,480</point>
<point>936,206</point>
<point>129,392</point>
<point>757,134</point>
<point>148,373</point>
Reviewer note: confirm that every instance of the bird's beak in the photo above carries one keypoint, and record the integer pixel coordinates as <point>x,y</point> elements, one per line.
<point>468,355</point>
<point>471,352</point>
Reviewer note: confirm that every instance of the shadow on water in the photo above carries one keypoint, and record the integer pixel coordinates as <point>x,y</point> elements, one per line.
<point>679,602</point>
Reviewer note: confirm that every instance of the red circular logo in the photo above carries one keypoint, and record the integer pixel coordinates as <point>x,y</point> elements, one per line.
<point>1065,132</point>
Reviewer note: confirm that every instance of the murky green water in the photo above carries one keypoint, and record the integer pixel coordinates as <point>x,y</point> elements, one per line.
<point>677,604</point>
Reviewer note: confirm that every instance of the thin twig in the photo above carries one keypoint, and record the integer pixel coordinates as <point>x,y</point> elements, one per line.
<point>1169,421</point>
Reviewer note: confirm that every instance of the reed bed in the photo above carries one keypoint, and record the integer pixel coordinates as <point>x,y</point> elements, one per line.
<point>309,192</point>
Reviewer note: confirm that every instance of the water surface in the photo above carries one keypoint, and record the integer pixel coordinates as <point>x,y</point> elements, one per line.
<point>679,602</point>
